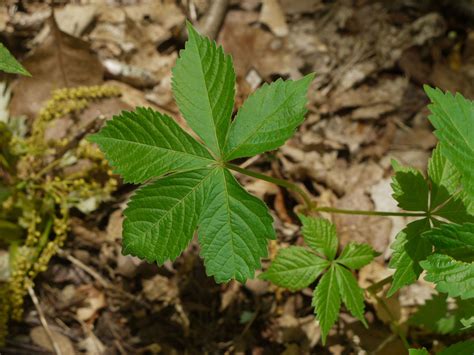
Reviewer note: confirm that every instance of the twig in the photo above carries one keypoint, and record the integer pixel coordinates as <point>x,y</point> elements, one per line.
<point>213,19</point>
<point>104,283</point>
<point>43,321</point>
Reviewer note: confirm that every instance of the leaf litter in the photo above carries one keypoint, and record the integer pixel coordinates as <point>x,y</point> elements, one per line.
<point>365,105</point>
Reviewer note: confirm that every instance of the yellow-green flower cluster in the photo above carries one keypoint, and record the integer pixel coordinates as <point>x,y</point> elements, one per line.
<point>4,312</point>
<point>40,194</point>
<point>69,100</point>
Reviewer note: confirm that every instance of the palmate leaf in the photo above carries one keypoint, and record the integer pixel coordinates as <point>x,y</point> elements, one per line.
<point>440,196</point>
<point>193,189</point>
<point>451,276</point>
<point>268,118</point>
<point>409,249</point>
<point>144,144</point>
<point>9,64</point>
<point>203,86</point>
<point>234,230</point>
<point>327,301</point>
<point>453,118</point>
<point>295,268</point>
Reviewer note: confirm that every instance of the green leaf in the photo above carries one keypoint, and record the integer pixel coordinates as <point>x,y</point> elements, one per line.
<point>352,295</point>
<point>234,229</point>
<point>295,268</point>
<point>439,317</point>
<point>456,278</point>
<point>410,188</point>
<point>268,118</point>
<point>161,217</point>
<point>453,118</point>
<point>444,177</point>
<point>320,235</point>
<point>422,351</point>
<point>409,249</point>
<point>461,348</point>
<point>355,255</point>
<point>446,198</point>
<point>468,322</point>
<point>9,64</point>
<point>203,86</point>
<point>454,240</point>
<point>327,301</point>
<point>144,144</point>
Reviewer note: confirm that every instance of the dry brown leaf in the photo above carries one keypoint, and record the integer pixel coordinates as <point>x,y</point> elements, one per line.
<point>60,61</point>
<point>94,301</point>
<point>272,15</point>
<point>254,48</point>
<point>39,337</point>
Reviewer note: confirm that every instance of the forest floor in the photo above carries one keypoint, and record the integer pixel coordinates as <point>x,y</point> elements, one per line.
<point>366,107</point>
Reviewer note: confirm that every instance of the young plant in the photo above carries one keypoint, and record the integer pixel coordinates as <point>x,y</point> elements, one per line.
<point>297,267</point>
<point>192,186</point>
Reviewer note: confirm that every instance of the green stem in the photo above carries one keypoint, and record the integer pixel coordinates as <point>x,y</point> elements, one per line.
<point>276,181</point>
<point>307,199</point>
<point>369,213</point>
<point>374,288</point>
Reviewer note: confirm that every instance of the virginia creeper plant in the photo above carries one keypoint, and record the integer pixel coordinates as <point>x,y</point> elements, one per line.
<point>189,187</point>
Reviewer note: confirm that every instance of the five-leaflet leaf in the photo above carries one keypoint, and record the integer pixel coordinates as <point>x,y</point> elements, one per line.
<point>297,267</point>
<point>188,186</point>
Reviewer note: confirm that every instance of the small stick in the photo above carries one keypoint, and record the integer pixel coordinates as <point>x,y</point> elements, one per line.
<point>84,267</point>
<point>43,321</point>
<point>213,19</point>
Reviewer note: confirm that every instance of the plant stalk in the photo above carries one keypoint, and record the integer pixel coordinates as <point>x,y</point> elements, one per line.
<point>307,199</point>
<point>276,181</point>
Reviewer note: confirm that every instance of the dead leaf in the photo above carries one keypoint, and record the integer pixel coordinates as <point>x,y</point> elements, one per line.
<point>60,61</point>
<point>254,48</point>
<point>272,15</point>
<point>39,337</point>
<point>94,301</point>
<point>74,19</point>
<point>160,288</point>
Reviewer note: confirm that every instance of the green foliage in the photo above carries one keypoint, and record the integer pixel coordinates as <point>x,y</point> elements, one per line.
<point>464,347</point>
<point>440,197</point>
<point>193,188</point>
<point>454,240</point>
<point>408,250</point>
<point>422,351</point>
<point>439,316</point>
<point>144,144</point>
<point>453,118</point>
<point>320,235</point>
<point>268,118</point>
<point>297,267</point>
<point>203,86</point>
<point>9,64</point>
<point>454,277</point>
